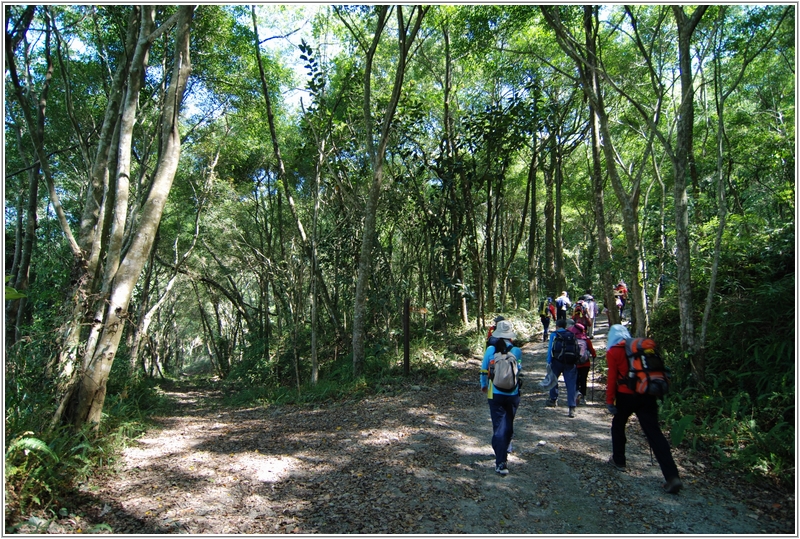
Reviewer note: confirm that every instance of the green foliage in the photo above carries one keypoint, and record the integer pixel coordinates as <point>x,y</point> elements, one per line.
<point>433,358</point>
<point>744,412</point>
<point>11,293</point>
<point>43,464</point>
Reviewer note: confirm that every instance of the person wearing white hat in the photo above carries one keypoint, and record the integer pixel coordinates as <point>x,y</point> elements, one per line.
<point>503,404</point>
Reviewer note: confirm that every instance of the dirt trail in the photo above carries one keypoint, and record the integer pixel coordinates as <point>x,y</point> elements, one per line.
<point>415,461</point>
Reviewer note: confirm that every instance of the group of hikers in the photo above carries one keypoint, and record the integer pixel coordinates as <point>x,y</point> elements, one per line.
<point>570,353</point>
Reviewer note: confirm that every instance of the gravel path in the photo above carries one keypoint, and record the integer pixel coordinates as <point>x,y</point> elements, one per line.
<point>416,461</point>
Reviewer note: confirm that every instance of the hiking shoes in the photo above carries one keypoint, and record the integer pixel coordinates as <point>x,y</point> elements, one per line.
<point>551,403</point>
<point>501,469</point>
<point>578,398</point>
<point>673,486</point>
<point>622,468</point>
<point>571,412</point>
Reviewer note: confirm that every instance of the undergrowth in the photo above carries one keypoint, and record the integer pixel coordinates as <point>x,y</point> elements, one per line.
<point>434,358</point>
<point>43,464</point>
<point>742,414</point>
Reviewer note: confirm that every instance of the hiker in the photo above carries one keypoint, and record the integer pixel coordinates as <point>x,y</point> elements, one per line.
<point>621,293</point>
<point>584,365</point>
<point>591,312</point>
<point>547,311</point>
<point>493,326</point>
<point>623,402</point>
<point>562,304</point>
<point>579,314</point>
<point>502,403</point>
<point>569,372</point>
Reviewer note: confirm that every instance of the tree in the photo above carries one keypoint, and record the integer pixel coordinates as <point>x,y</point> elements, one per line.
<point>127,247</point>
<point>406,35</point>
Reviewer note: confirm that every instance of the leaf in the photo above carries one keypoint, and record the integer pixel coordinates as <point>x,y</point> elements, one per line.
<point>679,429</point>
<point>31,444</point>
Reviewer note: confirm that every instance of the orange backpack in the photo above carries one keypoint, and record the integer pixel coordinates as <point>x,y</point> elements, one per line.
<point>647,373</point>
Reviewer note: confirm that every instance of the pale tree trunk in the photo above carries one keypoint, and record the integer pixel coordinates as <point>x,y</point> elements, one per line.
<point>89,398</point>
<point>377,156</point>
<point>533,226</point>
<point>94,228</point>
<point>551,285</point>
<point>603,252</point>
<point>686,27</point>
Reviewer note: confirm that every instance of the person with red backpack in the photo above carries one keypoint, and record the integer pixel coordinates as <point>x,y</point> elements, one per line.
<point>588,353</point>
<point>580,314</point>
<point>623,402</point>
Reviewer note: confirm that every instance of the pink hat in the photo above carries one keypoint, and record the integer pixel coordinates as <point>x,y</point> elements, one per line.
<point>578,330</point>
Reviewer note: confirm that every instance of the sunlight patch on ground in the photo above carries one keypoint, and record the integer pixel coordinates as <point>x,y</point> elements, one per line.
<point>268,469</point>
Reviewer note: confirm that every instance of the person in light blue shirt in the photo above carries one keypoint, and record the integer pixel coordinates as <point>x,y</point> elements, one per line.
<point>502,404</point>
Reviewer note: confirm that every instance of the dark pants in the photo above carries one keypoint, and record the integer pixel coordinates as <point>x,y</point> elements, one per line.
<point>583,377</point>
<point>503,408</point>
<point>546,325</point>
<point>646,409</point>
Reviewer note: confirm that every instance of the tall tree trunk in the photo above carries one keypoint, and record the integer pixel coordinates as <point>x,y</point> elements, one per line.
<point>377,156</point>
<point>561,276</point>
<point>91,385</point>
<point>604,253</point>
<point>533,271</point>
<point>551,285</point>
<point>686,27</point>
<point>25,232</point>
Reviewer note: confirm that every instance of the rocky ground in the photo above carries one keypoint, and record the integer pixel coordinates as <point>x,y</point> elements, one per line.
<point>418,461</point>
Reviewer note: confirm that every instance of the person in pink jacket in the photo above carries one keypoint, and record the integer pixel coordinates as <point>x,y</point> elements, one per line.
<point>585,366</point>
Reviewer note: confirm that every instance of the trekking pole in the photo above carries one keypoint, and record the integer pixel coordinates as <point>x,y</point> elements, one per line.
<point>594,360</point>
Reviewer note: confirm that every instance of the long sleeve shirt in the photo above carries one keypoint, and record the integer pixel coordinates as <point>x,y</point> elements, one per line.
<point>489,356</point>
<point>617,370</point>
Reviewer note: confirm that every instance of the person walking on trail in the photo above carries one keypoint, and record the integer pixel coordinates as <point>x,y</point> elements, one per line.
<point>579,314</point>
<point>493,326</point>
<point>503,404</point>
<point>585,364</point>
<point>547,312</point>
<point>570,372</point>
<point>623,402</point>
<point>562,304</point>
<point>621,292</point>
<point>591,312</point>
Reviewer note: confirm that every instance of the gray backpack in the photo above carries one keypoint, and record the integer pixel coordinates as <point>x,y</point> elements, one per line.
<point>503,370</point>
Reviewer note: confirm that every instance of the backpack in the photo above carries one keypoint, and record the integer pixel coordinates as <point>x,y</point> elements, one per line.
<point>503,370</point>
<point>583,351</point>
<point>565,347</point>
<point>544,311</point>
<point>647,373</point>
